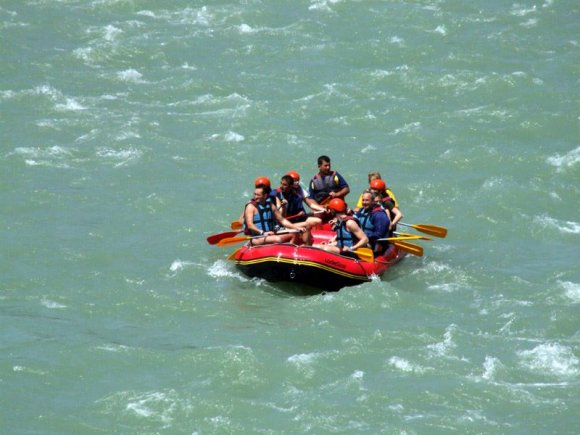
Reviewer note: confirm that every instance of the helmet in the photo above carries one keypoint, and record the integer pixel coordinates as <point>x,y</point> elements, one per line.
<point>378,185</point>
<point>262,180</point>
<point>338,205</point>
<point>295,175</point>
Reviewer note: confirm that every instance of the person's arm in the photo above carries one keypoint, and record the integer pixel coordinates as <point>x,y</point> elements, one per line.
<point>397,218</point>
<point>285,222</point>
<point>363,240</point>
<point>313,204</point>
<point>343,188</point>
<point>249,216</point>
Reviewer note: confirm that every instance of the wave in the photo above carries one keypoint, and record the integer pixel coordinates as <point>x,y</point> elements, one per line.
<point>565,161</point>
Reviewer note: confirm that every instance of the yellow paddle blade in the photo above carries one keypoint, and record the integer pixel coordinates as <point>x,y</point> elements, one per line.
<point>235,225</point>
<point>232,256</point>
<point>365,254</point>
<point>409,248</point>
<point>233,240</point>
<point>432,230</point>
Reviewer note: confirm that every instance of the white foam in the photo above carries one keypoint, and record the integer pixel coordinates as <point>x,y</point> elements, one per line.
<point>71,105</point>
<point>111,33</point>
<point>244,28</point>
<point>155,405</point>
<point>303,358</point>
<point>368,149</point>
<point>322,5</point>
<point>221,269</point>
<point>232,136</point>
<point>567,160</point>
<point>122,156</point>
<point>551,358</point>
<point>444,347</point>
<point>442,30</point>
<point>571,290</point>
<point>130,75</point>
<point>405,365</point>
<point>565,227</point>
<point>51,304</point>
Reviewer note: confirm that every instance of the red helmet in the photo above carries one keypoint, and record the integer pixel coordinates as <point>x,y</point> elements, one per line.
<point>262,180</point>
<point>295,175</point>
<point>378,185</point>
<point>337,205</point>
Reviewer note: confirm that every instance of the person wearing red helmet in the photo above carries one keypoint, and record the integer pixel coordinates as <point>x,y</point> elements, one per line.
<point>375,175</point>
<point>297,191</point>
<point>261,217</point>
<point>349,235</point>
<point>327,184</point>
<point>381,196</point>
<point>260,181</point>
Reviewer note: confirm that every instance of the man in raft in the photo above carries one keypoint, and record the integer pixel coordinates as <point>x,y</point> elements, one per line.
<point>327,184</point>
<point>291,202</point>
<point>349,235</point>
<point>260,217</point>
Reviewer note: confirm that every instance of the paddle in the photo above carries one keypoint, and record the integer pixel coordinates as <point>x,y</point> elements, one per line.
<point>233,240</point>
<point>411,235</point>
<point>394,239</point>
<point>409,248</point>
<point>236,225</point>
<point>213,239</point>
<point>432,230</point>
<point>365,254</point>
<point>232,256</point>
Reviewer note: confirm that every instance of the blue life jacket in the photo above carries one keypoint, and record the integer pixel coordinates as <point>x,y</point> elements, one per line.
<point>364,218</point>
<point>264,219</point>
<point>343,236</point>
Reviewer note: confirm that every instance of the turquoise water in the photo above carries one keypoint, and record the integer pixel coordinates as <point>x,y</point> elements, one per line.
<point>132,130</point>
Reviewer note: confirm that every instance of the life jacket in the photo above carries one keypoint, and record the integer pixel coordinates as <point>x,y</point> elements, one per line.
<point>294,198</point>
<point>264,219</point>
<point>343,236</point>
<point>364,218</point>
<point>323,185</point>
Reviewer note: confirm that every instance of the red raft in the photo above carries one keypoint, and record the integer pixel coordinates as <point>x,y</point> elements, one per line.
<point>314,267</point>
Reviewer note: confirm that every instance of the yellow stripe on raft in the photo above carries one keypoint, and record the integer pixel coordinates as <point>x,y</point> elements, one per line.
<point>302,263</point>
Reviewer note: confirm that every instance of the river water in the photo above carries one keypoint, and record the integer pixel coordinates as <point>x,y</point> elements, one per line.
<point>130,130</point>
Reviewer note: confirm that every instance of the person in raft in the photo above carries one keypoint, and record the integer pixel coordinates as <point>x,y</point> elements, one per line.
<point>290,201</point>
<point>373,220</point>
<point>305,194</point>
<point>349,235</point>
<point>271,197</point>
<point>379,190</point>
<point>261,216</point>
<point>375,175</point>
<point>327,184</point>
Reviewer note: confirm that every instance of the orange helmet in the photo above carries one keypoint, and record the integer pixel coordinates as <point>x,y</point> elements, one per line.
<point>338,205</point>
<point>295,175</point>
<point>262,180</point>
<point>378,185</point>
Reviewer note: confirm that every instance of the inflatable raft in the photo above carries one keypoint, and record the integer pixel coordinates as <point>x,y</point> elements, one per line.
<point>314,267</point>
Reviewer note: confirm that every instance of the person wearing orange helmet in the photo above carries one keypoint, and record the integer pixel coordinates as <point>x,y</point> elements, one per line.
<point>297,191</point>
<point>260,181</point>
<point>349,235</point>
<point>261,218</point>
<point>327,184</point>
<point>375,175</point>
<point>379,190</point>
